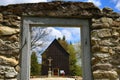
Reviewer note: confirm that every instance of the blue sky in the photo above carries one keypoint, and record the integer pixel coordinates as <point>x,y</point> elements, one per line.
<point>72,34</point>
<point>114,4</point>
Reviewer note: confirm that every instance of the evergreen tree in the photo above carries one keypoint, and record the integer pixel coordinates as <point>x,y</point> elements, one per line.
<point>64,38</point>
<point>75,70</point>
<point>35,67</point>
<point>63,43</point>
<point>73,60</point>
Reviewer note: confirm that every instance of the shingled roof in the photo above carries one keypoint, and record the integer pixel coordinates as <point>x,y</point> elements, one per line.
<point>57,44</point>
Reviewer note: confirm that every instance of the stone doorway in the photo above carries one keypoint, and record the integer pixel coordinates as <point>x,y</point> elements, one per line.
<point>28,22</point>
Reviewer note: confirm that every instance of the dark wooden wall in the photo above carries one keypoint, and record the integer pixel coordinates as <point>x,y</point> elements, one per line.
<point>60,58</point>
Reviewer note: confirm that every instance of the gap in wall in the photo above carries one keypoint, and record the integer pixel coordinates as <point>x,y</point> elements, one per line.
<point>68,37</point>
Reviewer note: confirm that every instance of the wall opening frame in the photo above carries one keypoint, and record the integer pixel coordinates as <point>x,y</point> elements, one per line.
<point>28,21</point>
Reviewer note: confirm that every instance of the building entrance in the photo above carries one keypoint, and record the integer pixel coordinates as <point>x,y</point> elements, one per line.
<point>56,71</point>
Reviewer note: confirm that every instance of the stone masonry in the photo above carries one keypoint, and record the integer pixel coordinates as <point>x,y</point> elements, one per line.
<point>104,30</point>
<point>105,39</point>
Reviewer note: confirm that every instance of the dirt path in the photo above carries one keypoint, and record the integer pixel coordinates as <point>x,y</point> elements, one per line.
<point>48,78</point>
<point>52,79</point>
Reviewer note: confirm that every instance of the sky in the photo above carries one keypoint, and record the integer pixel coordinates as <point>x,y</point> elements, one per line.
<point>71,34</point>
<point>114,4</point>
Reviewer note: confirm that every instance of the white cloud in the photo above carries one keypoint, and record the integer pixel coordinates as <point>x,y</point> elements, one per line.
<point>114,0</point>
<point>96,2</point>
<point>76,34</point>
<point>67,34</point>
<point>71,34</point>
<point>118,5</point>
<point>54,33</point>
<point>6,2</point>
<point>29,1</point>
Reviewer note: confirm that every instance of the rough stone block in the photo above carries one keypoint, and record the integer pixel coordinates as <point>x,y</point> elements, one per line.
<point>111,51</point>
<point>95,41</point>
<point>95,48</point>
<point>115,33</point>
<point>95,20</point>
<point>106,20</point>
<point>107,42</point>
<point>17,68</point>
<point>117,50</point>
<point>100,25</point>
<point>7,72</point>
<point>104,33</point>
<point>1,42</point>
<point>101,55</point>
<point>13,38</point>
<point>8,48</point>
<point>94,61</point>
<point>104,49</point>
<point>115,24</point>
<point>107,10</point>
<point>100,74</point>
<point>8,31</point>
<point>8,61</point>
<point>94,34</point>
<point>115,61</point>
<point>1,17</point>
<point>105,66</point>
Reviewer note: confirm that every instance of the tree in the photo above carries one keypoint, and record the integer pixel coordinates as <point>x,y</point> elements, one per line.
<point>77,47</point>
<point>75,70</point>
<point>78,50</point>
<point>38,34</point>
<point>35,67</point>
<point>38,37</point>
<point>63,42</point>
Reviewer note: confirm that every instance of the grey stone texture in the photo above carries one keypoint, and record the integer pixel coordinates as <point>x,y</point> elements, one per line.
<point>105,48</point>
<point>104,29</point>
<point>7,72</point>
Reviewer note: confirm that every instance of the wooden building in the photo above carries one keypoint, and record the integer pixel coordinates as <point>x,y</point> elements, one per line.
<point>59,59</point>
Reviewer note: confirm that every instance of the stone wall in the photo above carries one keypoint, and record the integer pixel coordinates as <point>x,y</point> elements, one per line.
<point>105,34</point>
<point>105,40</point>
<point>9,46</point>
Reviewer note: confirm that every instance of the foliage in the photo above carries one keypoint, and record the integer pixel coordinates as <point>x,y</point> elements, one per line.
<point>77,47</point>
<point>78,50</point>
<point>63,43</point>
<point>75,70</point>
<point>78,70</point>
<point>35,67</point>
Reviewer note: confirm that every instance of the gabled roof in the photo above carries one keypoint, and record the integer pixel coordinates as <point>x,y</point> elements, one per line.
<point>58,44</point>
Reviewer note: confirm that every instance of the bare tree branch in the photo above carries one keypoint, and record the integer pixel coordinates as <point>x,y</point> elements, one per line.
<point>37,35</point>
